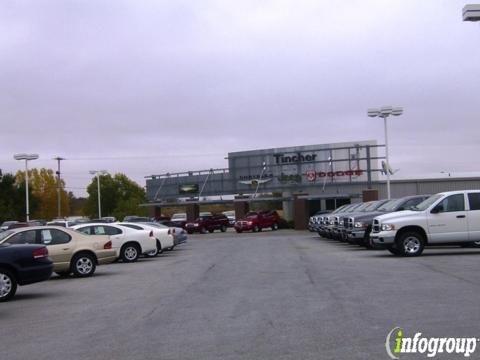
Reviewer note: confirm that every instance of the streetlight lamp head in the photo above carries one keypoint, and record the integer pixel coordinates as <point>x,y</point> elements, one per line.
<point>471,12</point>
<point>397,111</point>
<point>25,156</point>
<point>386,110</point>
<point>373,112</point>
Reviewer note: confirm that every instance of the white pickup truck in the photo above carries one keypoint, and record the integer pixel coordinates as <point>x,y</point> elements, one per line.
<point>446,218</point>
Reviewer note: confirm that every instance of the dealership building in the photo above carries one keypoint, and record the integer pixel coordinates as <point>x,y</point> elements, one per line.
<point>304,179</point>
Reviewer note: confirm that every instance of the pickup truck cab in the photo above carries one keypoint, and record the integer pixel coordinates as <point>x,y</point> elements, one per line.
<point>256,221</point>
<point>208,223</point>
<point>446,218</point>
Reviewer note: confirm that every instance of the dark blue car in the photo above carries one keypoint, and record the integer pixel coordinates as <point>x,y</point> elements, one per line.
<point>22,265</point>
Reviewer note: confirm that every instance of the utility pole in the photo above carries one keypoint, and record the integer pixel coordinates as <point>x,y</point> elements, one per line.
<point>59,187</point>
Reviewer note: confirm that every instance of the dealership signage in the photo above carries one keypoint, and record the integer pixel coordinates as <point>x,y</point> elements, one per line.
<point>312,175</point>
<point>283,159</point>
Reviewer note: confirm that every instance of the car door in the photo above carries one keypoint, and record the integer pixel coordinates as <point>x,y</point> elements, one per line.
<point>447,221</point>
<point>474,216</point>
<point>60,246</point>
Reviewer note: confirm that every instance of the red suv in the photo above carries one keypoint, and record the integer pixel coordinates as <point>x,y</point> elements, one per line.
<point>256,221</point>
<point>208,223</point>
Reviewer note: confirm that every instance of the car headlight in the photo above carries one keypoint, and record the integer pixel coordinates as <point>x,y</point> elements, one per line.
<point>388,227</point>
<point>332,222</point>
<point>195,225</point>
<point>360,225</point>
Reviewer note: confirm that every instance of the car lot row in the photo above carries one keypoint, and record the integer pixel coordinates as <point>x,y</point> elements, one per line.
<point>31,254</point>
<point>407,225</point>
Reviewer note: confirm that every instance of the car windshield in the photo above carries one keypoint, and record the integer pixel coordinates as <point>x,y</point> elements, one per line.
<point>390,205</point>
<point>427,203</point>
<point>5,234</point>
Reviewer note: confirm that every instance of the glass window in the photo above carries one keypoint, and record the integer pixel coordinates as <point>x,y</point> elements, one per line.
<point>412,202</point>
<point>453,203</point>
<point>84,230</point>
<point>135,227</point>
<point>99,230</point>
<point>110,230</point>
<point>54,237</point>
<point>474,201</point>
<point>425,204</point>
<point>24,237</point>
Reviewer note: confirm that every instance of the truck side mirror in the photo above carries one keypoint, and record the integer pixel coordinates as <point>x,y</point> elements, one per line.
<point>437,209</point>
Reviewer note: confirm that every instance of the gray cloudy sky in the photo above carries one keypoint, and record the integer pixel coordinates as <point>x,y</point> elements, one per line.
<point>148,87</point>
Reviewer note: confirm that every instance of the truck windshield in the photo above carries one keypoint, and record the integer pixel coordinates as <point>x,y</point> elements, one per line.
<point>427,203</point>
<point>390,205</point>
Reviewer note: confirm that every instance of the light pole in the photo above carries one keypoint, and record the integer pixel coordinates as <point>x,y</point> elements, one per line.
<point>97,173</point>
<point>258,182</point>
<point>59,187</point>
<point>471,12</point>
<point>385,112</point>
<point>26,157</point>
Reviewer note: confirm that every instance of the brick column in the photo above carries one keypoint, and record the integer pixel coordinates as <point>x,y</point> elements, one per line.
<point>192,212</point>
<point>241,208</point>
<point>369,195</point>
<point>300,213</point>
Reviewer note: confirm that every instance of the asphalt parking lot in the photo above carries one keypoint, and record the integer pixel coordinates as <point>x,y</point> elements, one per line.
<point>270,295</point>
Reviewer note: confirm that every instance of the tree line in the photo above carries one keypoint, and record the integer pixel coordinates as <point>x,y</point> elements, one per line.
<point>119,196</point>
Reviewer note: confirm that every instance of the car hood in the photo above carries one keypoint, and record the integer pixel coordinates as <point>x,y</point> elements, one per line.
<point>398,215</point>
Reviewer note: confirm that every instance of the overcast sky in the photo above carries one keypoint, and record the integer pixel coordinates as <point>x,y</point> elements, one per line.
<point>149,87</point>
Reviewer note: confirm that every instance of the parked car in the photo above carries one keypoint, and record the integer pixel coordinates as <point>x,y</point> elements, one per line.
<point>22,265</point>
<point>360,225</point>
<point>208,223</point>
<point>179,219</point>
<point>128,243</point>
<point>333,219</point>
<point>163,237</point>
<point>70,251</point>
<point>63,223</point>
<point>314,220</point>
<point>179,234</point>
<point>109,219</point>
<point>231,217</point>
<point>6,224</point>
<point>323,220</point>
<point>136,219</point>
<point>256,221</point>
<point>448,218</point>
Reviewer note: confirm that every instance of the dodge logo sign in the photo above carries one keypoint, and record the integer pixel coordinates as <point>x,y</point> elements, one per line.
<point>311,175</point>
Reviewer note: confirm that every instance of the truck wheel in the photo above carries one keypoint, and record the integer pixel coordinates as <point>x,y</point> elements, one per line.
<point>211,230</point>
<point>8,285</point>
<point>275,226</point>
<point>410,244</point>
<point>203,230</point>
<point>223,228</point>
<point>255,228</point>
<point>238,231</point>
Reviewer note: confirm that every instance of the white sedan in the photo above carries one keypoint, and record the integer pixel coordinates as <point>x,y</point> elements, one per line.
<point>164,237</point>
<point>128,243</point>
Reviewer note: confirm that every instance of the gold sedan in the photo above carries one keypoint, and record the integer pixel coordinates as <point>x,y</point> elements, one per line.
<point>70,251</point>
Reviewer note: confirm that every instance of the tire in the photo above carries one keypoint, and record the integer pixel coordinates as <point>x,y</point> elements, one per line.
<point>223,228</point>
<point>159,247</point>
<point>203,230</point>
<point>8,285</point>
<point>171,248</point>
<point>63,273</point>
<point>274,226</point>
<point>475,244</point>
<point>83,265</point>
<point>190,232</point>
<point>238,231</point>
<point>410,244</point>
<point>130,252</point>
<point>255,228</point>
<point>211,231</point>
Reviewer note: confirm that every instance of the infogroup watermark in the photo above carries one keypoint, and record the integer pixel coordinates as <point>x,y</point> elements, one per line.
<point>397,344</point>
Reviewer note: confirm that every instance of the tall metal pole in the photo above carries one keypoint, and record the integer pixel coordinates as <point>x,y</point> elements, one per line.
<point>99,202</point>
<point>26,192</point>
<point>59,187</point>
<point>386,156</point>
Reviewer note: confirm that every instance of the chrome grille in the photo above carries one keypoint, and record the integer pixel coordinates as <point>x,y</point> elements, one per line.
<point>376,226</point>
<point>350,223</point>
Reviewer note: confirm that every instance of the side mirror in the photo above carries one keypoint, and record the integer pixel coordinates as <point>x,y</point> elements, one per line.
<point>437,209</point>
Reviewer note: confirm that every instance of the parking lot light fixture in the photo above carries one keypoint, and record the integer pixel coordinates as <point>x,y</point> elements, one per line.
<point>471,12</point>
<point>384,112</point>
<point>26,157</point>
<point>97,173</point>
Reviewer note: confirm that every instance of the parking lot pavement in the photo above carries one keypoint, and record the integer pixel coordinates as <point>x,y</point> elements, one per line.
<point>270,295</point>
